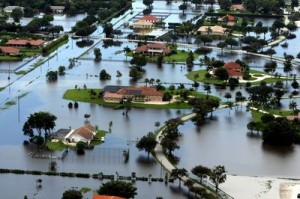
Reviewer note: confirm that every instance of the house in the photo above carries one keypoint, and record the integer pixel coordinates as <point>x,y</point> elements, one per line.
<point>106,197</point>
<point>84,134</point>
<point>238,7</point>
<point>153,48</point>
<point>229,19</point>
<point>215,30</point>
<point>24,42</point>
<point>10,51</point>
<point>9,9</point>
<point>58,9</point>
<point>146,22</point>
<point>137,94</point>
<point>293,117</point>
<point>143,25</point>
<point>234,70</point>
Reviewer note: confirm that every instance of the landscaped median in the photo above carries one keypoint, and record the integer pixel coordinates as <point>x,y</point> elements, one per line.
<point>94,96</point>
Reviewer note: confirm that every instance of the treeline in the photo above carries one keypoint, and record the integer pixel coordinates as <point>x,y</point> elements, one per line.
<point>84,175</point>
<point>53,44</point>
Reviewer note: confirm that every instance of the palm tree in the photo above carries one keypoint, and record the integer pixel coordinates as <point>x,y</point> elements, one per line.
<point>293,105</point>
<point>208,30</point>
<point>227,95</point>
<point>126,50</point>
<point>146,81</point>
<point>229,105</point>
<point>179,173</point>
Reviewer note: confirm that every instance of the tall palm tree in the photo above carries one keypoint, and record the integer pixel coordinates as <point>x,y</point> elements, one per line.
<point>126,50</point>
<point>293,105</point>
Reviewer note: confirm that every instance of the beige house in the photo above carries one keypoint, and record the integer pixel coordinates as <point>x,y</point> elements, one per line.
<point>215,30</point>
<point>143,25</point>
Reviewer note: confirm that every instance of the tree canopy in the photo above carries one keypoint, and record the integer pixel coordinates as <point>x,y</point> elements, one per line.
<point>72,194</point>
<point>118,188</point>
<point>147,143</point>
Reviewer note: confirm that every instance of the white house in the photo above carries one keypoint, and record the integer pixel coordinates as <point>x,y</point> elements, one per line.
<point>84,134</point>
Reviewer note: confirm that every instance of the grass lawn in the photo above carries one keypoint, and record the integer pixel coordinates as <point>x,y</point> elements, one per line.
<point>83,95</point>
<point>56,146</point>
<point>11,58</point>
<point>98,136</point>
<point>57,45</point>
<point>257,115</point>
<point>30,52</point>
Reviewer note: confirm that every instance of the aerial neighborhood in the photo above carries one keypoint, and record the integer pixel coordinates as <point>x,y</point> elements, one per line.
<point>150,99</point>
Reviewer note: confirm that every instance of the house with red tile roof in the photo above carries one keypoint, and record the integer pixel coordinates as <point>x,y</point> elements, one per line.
<point>146,22</point>
<point>153,49</point>
<point>137,94</point>
<point>25,42</point>
<point>234,70</point>
<point>11,51</point>
<point>84,134</point>
<point>229,19</point>
<point>106,197</point>
<point>238,7</point>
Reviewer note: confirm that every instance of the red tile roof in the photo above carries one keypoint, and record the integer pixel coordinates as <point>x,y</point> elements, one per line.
<point>228,18</point>
<point>106,197</point>
<point>23,42</point>
<point>155,46</point>
<point>143,90</point>
<point>9,50</point>
<point>233,69</point>
<point>149,18</point>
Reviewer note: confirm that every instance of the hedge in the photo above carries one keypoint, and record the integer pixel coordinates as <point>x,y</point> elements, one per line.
<point>46,49</point>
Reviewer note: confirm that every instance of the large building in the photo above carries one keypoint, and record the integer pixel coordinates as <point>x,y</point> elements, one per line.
<point>234,70</point>
<point>10,51</point>
<point>153,49</point>
<point>25,42</point>
<point>137,94</point>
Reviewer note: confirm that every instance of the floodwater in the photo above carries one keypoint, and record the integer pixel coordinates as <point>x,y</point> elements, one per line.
<point>222,141</point>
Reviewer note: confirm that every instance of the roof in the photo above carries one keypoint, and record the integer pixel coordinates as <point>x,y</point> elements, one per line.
<point>23,42</point>
<point>215,29</point>
<point>106,197</point>
<point>233,69</point>
<point>239,7</point>
<point>143,90</point>
<point>9,50</point>
<point>11,8</point>
<point>227,17</point>
<point>57,7</point>
<point>143,23</point>
<point>86,131</point>
<point>61,133</point>
<point>149,18</point>
<point>159,46</point>
<point>112,88</point>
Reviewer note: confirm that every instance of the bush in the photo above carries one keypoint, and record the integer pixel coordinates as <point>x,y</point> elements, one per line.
<point>82,175</point>
<point>46,49</point>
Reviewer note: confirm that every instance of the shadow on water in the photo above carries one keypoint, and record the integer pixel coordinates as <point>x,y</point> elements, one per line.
<point>278,150</point>
<point>145,160</point>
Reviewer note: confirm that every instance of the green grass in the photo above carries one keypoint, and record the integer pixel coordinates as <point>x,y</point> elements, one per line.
<point>202,77</point>
<point>256,115</point>
<point>56,146</point>
<point>83,95</point>
<point>11,58</point>
<point>98,136</point>
<point>85,190</point>
<point>10,103</point>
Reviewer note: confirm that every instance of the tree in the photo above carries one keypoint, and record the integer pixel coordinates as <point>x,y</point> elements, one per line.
<point>279,132</point>
<point>160,60</point>
<point>138,60</point>
<point>17,14</point>
<point>222,45</point>
<point>136,72</point>
<point>148,3</point>
<point>98,54</point>
<point>119,74</point>
<point>183,7</point>
<point>293,105</point>
<point>104,75</point>
<point>61,70</point>
<point>52,75</point>
<point>221,73</point>
<point>224,4</point>
<point>54,30</point>
<point>147,143</point>
<point>270,66</point>
<point>39,121</point>
<point>108,30</point>
<point>157,124</point>
<point>231,42</point>
<point>201,171</point>
<point>86,116</point>
<point>218,176</point>
<point>126,50</point>
<point>72,194</point>
<point>118,188</point>
<point>179,173</point>
<point>197,3</point>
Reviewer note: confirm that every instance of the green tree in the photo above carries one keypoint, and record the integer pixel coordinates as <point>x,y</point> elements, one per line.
<point>118,188</point>
<point>218,176</point>
<point>72,194</point>
<point>39,121</point>
<point>104,75</point>
<point>17,14</point>
<point>201,171</point>
<point>119,74</point>
<point>147,143</point>
<point>126,50</point>
<point>61,70</point>
<point>224,4</point>
<point>279,132</point>
<point>157,124</point>
<point>98,54</point>
<point>108,30</point>
<point>221,73</point>
<point>179,173</point>
<point>182,7</point>
<point>52,75</point>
